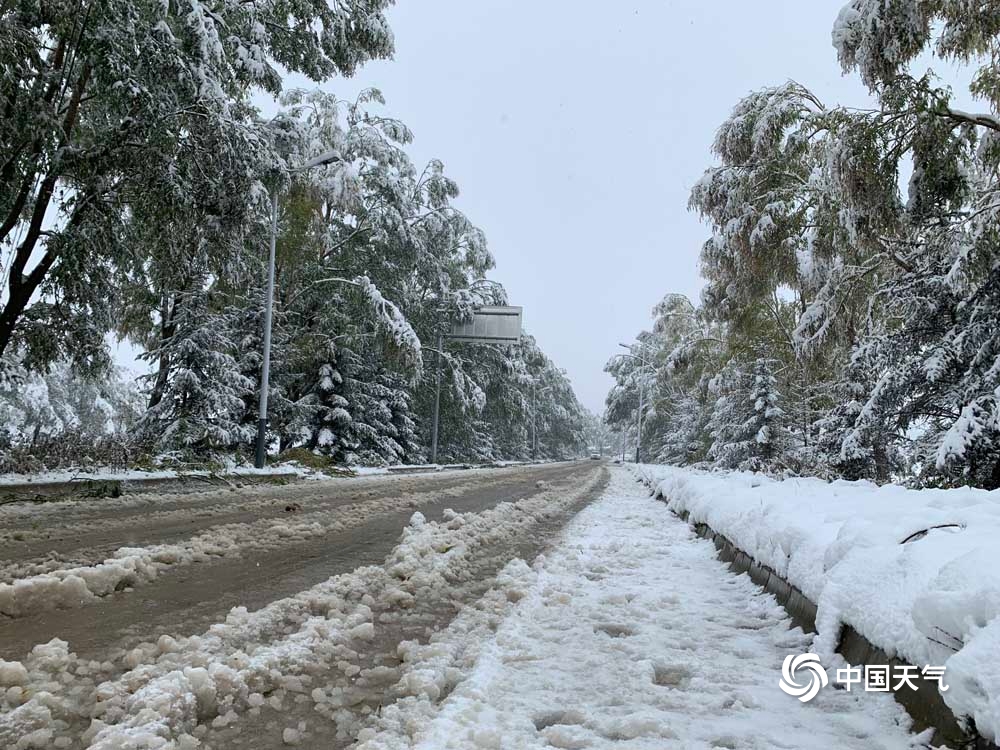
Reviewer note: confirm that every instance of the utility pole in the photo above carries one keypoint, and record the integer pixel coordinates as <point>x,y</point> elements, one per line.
<point>638,416</point>
<point>260,452</point>
<point>638,425</point>
<point>265,372</point>
<point>437,399</point>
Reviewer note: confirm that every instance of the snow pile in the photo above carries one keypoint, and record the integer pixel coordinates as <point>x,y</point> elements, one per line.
<point>914,571</point>
<point>432,670</point>
<point>175,689</point>
<point>628,634</point>
<point>367,471</point>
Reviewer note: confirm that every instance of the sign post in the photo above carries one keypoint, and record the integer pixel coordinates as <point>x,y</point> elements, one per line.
<point>437,399</point>
<point>489,325</point>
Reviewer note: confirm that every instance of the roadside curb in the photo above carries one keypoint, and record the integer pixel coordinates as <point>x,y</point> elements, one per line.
<point>113,486</point>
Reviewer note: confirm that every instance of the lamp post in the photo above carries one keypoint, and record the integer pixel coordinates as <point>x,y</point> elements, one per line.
<point>260,454</point>
<point>437,398</point>
<point>638,416</point>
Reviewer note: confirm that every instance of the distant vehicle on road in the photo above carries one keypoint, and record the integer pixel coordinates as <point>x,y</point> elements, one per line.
<point>595,456</point>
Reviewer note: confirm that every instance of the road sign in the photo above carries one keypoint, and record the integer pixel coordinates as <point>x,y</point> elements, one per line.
<point>490,325</point>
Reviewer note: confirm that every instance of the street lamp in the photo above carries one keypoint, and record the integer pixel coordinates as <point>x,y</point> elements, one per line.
<point>638,426</point>
<point>261,448</point>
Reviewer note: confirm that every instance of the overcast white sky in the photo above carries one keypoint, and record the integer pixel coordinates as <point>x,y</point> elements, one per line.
<point>576,130</point>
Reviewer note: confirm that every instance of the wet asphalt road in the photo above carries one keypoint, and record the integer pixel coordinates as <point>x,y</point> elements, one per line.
<point>186,599</point>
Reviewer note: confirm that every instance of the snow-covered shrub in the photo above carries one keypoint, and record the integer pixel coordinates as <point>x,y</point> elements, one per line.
<point>61,419</point>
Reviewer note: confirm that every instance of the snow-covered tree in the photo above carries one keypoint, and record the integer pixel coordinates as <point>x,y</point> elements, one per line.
<point>58,402</point>
<point>600,436</point>
<point>854,250</point>
<point>200,406</point>
<point>684,434</point>
<point>124,112</point>
<point>937,341</point>
<point>746,424</point>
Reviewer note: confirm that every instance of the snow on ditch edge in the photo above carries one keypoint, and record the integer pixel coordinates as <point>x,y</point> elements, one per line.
<point>932,600</point>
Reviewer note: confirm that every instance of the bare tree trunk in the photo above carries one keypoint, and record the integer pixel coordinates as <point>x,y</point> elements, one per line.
<point>881,458</point>
<point>21,286</point>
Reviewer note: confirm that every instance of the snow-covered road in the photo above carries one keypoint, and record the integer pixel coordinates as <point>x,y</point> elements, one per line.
<point>303,667</point>
<point>626,633</point>
<point>109,573</point>
<point>631,634</point>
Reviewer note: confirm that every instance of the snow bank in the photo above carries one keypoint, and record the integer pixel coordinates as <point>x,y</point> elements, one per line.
<point>914,571</point>
<point>367,471</point>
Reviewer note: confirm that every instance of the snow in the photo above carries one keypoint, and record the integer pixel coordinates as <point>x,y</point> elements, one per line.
<point>174,688</point>
<point>629,634</point>
<point>403,468</point>
<point>843,544</point>
<point>974,421</point>
<point>363,471</point>
<point>12,673</point>
<point>282,470</point>
<point>135,475</point>
<point>391,319</point>
<point>56,586</point>
<point>43,584</point>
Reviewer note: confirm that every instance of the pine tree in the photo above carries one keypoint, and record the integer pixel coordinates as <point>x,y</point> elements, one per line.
<point>684,432</point>
<point>200,409</point>
<point>746,425</point>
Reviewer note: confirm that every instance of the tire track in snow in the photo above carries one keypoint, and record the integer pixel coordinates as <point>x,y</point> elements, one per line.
<point>187,598</point>
<point>86,532</point>
<point>33,586</point>
<point>176,685</point>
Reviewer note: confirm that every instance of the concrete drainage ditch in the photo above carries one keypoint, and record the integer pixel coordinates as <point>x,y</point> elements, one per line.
<point>924,705</point>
